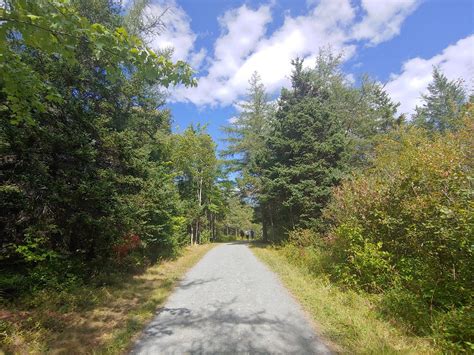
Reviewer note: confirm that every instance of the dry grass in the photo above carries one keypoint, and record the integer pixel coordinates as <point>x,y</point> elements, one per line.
<point>348,319</point>
<point>102,320</point>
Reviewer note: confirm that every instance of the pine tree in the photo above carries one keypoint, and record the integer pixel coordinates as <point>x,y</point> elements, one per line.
<point>246,137</point>
<point>306,152</point>
<point>441,107</point>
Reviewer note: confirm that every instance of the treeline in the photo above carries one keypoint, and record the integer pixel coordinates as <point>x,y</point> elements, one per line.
<point>376,201</point>
<point>92,178</point>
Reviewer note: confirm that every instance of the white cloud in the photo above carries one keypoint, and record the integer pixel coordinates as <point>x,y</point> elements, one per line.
<point>233,119</point>
<point>383,19</point>
<point>177,32</point>
<point>242,29</point>
<point>456,61</point>
<point>245,45</point>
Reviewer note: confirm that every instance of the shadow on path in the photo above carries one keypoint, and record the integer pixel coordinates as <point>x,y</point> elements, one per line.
<point>226,331</point>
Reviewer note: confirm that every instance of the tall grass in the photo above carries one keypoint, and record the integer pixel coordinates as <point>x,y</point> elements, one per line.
<point>102,320</point>
<point>345,317</point>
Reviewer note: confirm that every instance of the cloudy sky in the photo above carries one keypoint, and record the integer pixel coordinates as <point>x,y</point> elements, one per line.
<point>395,41</point>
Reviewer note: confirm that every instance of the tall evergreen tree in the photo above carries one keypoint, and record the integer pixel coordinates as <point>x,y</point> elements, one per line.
<point>306,151</point>
<point>442,104</point>
<point>246,137</point>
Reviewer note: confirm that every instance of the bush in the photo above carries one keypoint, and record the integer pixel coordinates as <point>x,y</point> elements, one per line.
<point>303,238</point>
<point>405,306</point>
<point>359,262</point>
<point>407,222</point>
<point>304,249</point>
<point>205,236</point>
<point>453,330</point>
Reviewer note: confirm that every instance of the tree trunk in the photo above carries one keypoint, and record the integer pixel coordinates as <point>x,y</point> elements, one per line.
<point>272,225</point>
<point>196,239</point>
<point>199,204</point>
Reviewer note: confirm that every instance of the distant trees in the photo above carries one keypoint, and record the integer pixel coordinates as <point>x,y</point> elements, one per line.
<point>297,152</point>
<point>442,104</point>
<point>246,137</point>
<point>305,156</point>
<point>196,167</point>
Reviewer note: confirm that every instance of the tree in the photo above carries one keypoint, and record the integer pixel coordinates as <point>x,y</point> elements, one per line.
<point>246,137</point>
<point>442,104</point>
<point>85,139</point>
<point>306,150</point>
<point>240,216</point>
<point>289,159</point>
<point>56,29</point>
<point>196,167</point>
<point>367,112</point>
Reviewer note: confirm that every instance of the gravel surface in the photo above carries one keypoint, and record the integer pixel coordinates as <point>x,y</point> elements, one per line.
<point>230,303</point>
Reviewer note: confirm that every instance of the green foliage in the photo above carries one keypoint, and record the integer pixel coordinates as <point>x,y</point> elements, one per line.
<point>417,202</point>
<point>407,308</point>
<point>55,28</point>
<point>240,214</point>
<point>246,138</point>
<point>442,105</point>
<point>360,262</point>
<point>303,238</point>
<point>406,225</point>
<point>322,127</point>
<point>305,158</point>
<point>453,331</point>
<point>84,145</point>
<point>196,171</point>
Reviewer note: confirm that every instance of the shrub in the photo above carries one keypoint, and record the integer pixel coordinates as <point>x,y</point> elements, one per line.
<point>360,262</point>
<point>405,306</point>
<point>304,248</point>
<point>205,236</point>
<point>303,238</point>
<point>453,330</point>
<point>408,220</point>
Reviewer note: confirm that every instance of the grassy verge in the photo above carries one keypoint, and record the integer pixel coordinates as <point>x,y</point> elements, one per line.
<point>102,320</point>
<point>346,318</point>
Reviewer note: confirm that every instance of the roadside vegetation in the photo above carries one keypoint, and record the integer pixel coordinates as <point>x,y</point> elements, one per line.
<point>345,317</point>
<point>93,318</point>
<point>371,204</point>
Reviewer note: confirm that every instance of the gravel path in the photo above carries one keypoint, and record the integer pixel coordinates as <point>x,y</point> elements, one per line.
<point>230,303</point>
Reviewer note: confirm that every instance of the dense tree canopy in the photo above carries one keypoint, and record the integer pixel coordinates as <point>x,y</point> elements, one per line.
<point>84,144</point>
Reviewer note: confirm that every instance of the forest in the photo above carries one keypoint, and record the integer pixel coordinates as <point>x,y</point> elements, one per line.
<point>94,181</point>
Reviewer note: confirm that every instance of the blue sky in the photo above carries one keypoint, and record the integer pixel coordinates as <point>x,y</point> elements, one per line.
<point>395,41</point>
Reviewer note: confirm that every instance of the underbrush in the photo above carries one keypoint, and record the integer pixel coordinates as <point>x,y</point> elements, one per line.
<point>399,232</point>
<point>103,315</point>
<point>349,318</point>
<point>362,276</point>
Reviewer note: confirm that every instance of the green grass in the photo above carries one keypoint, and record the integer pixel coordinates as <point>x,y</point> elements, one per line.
<point>348,319</point>
<point>103,320</point>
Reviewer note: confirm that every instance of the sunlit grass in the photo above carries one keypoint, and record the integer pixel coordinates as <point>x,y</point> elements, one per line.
<point>347,319</point>
<point>102,320</point>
